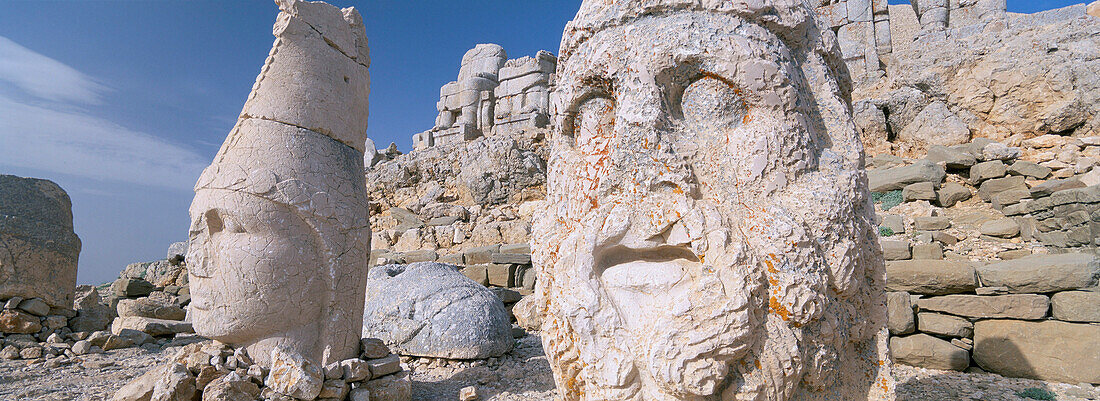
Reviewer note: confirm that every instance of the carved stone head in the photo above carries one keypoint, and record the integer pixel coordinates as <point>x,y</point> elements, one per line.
<point>710,235</point>
<point>279,228</point>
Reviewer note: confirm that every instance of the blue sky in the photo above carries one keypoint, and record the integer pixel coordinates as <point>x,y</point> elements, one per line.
<point>123,103</point>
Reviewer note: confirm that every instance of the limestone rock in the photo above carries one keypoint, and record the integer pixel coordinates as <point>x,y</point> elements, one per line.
<point>146,307</point>
<point>1076,306</point>
<point>944,325</point>
<point>998,185</point>
<point>396,387</point>
<point>987,170</point>
<point>951,158</point>
<point>1048,350</point>
<point>177,384</point>
<point>891,179</point>
<point>280,220</point>
<point>925,351</point>
<point>1016,306</point>
<point>293,375</point>
<point>129,287</point>
<point>430,309</point>
<point>38,248</point>
<point>1051,186</point>
<point>19,322</point>
<point>919,191</point>
<point>1029,169</point>
<point>92,315</point>
<point>899,313</point>
<point>231,387</point>
<point>952,193</point>
<point>1043,273</point>
<point>895,249</point>
<point>930,277</point>
<point>935,125</point>
<point>931,223</point>
<point>1002,228</point>
<point>649,273</point>
<point>153,327</point>
<point>373,348</point>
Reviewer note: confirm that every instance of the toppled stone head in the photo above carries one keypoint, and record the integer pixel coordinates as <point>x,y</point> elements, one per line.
<point>279,230</point>
<point>711,235</point>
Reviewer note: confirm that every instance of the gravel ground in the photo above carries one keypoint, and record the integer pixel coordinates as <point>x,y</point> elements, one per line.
<point>523,374</point>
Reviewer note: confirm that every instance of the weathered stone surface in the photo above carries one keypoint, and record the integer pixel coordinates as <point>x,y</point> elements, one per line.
<point>373,348</point>
<point>1016,306</point>
<point>952,193</point>
<point>153,327</point>
<point>91,314</point>
<point>130,287</point>
<point>931,277</point>
<point>293,375</point>
<point>19,322</point>
<point>899,312</point>
<point>925,351</point>
<point>231,387</point>
<point>885,180</point>
<point>1003,228</point>
<point>895,249</point>
<point>931,223</point>
<point>987,170</point>
<point>38,248</point>
<point>1043,273</point>
<point>935,125</point>
<point>1029,169</point>
<point>1047,350</point>
<point>930,251</point>
<point>396,387</point>
<point>998,185</point>
<point>950,157</point>
<point>280,230</point>
<point>430,309</point>
<point>648,268</point>
<point>384,366</point>
<point>919,191</point>
<point>1076,306</point>
<point>146,307</point>
<point>1051,186</point>
<point>944,325</point>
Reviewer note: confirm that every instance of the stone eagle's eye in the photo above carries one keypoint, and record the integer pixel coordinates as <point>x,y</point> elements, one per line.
<point>710,103</point>
<point>594,123</point>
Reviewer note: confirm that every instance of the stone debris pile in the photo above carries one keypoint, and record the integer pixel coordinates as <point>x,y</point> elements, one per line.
<point>38,248</point>
<point>210,370</point>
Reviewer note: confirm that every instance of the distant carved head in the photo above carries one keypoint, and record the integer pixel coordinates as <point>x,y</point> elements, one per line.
<point>710,235</point>
<point>279,228</point>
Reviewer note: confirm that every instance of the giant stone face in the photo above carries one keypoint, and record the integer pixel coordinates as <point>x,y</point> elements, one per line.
<point>710,236</point>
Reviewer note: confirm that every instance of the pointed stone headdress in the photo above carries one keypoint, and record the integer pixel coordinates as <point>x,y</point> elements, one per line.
<point>299,142</point>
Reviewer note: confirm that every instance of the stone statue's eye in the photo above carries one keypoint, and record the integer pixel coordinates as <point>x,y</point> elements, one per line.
<point>711,103</point>
<point>594,123</point>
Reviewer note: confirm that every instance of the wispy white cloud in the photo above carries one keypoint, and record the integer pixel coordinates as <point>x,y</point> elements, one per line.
<point>44,77</point>
<point>50,131</point>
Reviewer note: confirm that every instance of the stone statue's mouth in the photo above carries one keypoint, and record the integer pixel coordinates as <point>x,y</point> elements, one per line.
<point>647,270</point>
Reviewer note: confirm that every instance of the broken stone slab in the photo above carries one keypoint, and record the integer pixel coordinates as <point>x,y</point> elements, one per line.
<point>1029,169</point>
<point>1043,273</point>
<point>925,351</point>
<point>481,255</point>
<point>952,193</point>
<point>891,179</point>
<point>930,251</point>
<point>931,223</point>
<point>38,248</point>
<point>512,258</point>
<point>1014,306</point>
<point>951,158</point>
<point>987,170</point>
<point>35,306</point>
<point>997,185</point>
<point>1049,187</point>
<point>150,326</point>
<point>396,387</point>
<point>930,277</point>
<point>384,366</point>
<point>919,191</point>
<point>1048,350</point>
<point>147,307</point>
<point>1076,306</point>
<point>944,325</point>
<point>1000,228</point>
<point>899,313</point>
<point>130,287</point>
<point>895,249</point>
<point>516,248</point>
